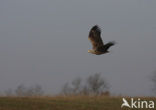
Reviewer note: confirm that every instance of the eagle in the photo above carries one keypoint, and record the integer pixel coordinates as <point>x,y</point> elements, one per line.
<point>98,47</point>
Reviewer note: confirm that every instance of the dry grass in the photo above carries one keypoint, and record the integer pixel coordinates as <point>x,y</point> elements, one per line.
<point>63,103</point>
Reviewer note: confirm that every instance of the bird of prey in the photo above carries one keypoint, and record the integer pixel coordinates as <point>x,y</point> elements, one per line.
<point>98,47</point>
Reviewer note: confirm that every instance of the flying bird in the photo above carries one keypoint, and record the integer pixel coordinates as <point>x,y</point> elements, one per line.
<point>98,47</point>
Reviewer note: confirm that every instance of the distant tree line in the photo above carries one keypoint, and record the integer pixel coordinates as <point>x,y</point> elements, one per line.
<point>93,85</point>
<point>24,91</point>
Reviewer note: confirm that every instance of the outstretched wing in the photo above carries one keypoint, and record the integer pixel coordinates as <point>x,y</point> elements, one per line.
<point>95,37</point>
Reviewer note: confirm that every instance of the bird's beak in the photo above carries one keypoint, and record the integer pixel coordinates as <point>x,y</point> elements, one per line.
<point>89,51</point>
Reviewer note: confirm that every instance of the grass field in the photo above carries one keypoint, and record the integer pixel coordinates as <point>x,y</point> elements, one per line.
<point>64,103</point>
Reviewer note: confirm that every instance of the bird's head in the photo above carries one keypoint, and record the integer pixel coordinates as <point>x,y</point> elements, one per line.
<point>91,51</point>
<point>97,52</point>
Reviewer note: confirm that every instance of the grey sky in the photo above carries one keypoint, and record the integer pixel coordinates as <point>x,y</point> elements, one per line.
<point>45,42</point>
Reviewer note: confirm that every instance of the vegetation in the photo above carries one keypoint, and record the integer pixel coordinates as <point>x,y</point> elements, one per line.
<point>89,94</point>
<point>22,90</point>
<point>94,85</point>
<point>62,103</point>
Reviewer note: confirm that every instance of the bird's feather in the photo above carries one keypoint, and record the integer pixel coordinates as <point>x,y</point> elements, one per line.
<point>95,37</point>
<point>109,44</point>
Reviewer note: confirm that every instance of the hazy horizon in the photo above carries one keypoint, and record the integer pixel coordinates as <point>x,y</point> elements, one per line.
<point>46,43</point>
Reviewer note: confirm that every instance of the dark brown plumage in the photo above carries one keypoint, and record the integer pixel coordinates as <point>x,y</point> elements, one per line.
<point>98,46</point>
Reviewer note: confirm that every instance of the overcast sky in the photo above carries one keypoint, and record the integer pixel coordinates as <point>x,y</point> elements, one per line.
<point>45,42</point>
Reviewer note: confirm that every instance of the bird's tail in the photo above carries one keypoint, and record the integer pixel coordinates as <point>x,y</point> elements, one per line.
<point>109,44</point>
